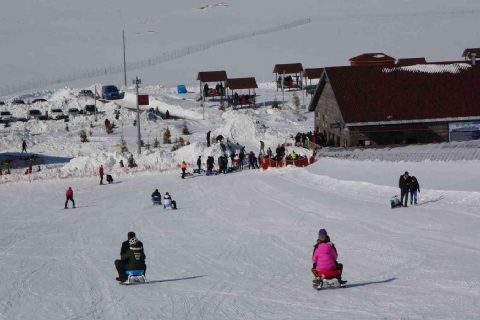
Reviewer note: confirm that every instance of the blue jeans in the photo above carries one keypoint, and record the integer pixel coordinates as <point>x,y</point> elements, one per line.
<point>413,197</point>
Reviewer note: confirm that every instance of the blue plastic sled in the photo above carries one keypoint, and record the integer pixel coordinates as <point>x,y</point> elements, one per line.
<point>135,276</point>
<point>181,89</point>
<point>198,171</point>
<point>157,202</point>
<point>211,173</point>
<point>231,169</point>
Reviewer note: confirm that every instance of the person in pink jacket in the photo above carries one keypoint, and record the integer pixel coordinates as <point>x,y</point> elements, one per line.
<point>325,257</point>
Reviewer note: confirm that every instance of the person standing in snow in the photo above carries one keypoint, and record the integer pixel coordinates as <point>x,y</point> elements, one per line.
<point>413,191</point>
<point>69,195</point>
<point>262,147</point>
<point>232,158</point>
<point>128,259</point>
<point>24,146</point>
<point>199,163</point>
<point>242,157</point>
<point>184,169</point>
<point>100,171</point>
<point>405,184</point>
<point>208,139</point>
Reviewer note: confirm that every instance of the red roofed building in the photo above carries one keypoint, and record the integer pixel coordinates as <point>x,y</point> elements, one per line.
<point>398,104</point>
<point>371,59</point>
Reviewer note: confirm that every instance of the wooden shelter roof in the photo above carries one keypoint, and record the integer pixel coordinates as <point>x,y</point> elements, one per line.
<point>242,83</point>
<point>212,76</point>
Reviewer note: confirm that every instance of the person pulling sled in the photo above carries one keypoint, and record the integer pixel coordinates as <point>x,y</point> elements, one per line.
<point>326,270</point>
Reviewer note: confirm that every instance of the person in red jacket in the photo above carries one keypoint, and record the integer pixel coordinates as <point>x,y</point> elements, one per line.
<point>100,171</point>
<point>69,195</point>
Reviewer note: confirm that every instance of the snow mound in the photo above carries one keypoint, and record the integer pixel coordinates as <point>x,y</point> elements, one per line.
<point>432,68</point>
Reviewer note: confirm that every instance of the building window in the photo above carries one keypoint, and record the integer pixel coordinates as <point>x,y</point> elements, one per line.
<point>324,117</point>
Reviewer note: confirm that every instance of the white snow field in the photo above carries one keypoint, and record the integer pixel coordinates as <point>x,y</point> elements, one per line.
<point>239,247</point>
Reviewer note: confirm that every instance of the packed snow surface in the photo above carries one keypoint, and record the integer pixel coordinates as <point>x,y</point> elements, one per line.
<point>239,247</point>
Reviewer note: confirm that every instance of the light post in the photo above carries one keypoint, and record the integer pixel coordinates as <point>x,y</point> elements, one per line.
<point>136,82</point>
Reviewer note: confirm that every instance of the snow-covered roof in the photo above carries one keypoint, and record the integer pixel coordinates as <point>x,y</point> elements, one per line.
<point>431,68</point>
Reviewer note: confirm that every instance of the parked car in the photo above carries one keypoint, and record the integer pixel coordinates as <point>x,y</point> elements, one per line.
<point>86,94</point>
<point>90,109</point>
<point>110,92</point>
<point>34,114</point>
<point>39,100</point>
<point>73,111</point>
<point>56,113</point>
<point>6,115</point>
<point>18,102</point>
<point>42,117</point>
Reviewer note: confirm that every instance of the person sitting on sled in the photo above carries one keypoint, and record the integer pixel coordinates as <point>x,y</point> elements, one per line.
<point>168,202</point>
<point>156,197</point>
<point>132,257</point>
<point>325,257</point>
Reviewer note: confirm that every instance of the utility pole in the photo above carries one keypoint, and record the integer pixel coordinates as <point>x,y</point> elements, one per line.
<point>136,82</point>
<point>202,95</point>
<point>95,96</point>
<point>124,60</point>
<point>283,89</point>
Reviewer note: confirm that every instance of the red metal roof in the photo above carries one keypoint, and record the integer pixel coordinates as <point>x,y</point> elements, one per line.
<point>212,76</point>
<point>314,73</point>
<point>378,94</point>
<point>411,61</point>
<point>289,68</point>
<point>242,83</point>
<point>372,58</point>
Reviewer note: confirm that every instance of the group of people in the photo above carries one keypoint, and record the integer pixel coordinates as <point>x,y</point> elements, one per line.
<point>287,81</point>
<point>167,200</point>
<point>101,173</point>
<point>218,91</point>
<point>408,184</point>
<point>314,137</point>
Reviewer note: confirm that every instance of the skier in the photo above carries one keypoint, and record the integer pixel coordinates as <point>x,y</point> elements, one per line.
<point>100,171</point>
<point>167,199</point>
<point>208,139</point>
<point>24,146</point>
<point>199,163</point>
<point>109,179</point>
<point>184,169</point>
<point>413,190</point>
<point>132,257</point>
<point>156,197</point>
<point>405,184</point>
<point>325,257</point>
<point>69,195</point>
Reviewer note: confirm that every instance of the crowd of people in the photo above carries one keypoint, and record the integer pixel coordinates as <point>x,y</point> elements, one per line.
<point>408,185</point>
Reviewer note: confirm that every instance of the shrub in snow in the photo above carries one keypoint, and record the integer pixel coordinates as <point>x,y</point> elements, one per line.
<point>83,136</point>
<point>135,123</point>
<point>7,124</point>
<point>90,133</point>
<point>254,105</point>
<point>109,129</point>
<point>185,130</point>
<point>67,128</point>
<point>166,136</point>
<point>91,125</point>
<point>222,104</point>
<point>275,104</point>
<point>296,102</point>
<point>156,143</point>
<point>181,142</point>
<point>175,147</point>
<point>123,145</point>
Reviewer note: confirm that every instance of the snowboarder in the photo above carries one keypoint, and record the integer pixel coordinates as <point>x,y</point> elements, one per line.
<point>100,171</point>
<point>24,146</point>
<point>208,139</point>
<point>69,195</point>
<point>199,163</point>
<point>109,179</point>
<point>156,197</point>
<point>184,169</point>
<point>405,184</point>
<point>167,199</point>
<point>132,257</point>
<point>413,191</point>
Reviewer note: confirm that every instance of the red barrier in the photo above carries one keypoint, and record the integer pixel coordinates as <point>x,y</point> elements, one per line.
<point>269,163</point>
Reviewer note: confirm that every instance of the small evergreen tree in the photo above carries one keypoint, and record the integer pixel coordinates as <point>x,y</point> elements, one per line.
<point>156,143</point>
<point>91,125</point>
<point>185,130</point>
<point>254,105</point>
<point>181,142</point>
<point>90,133</point>
<point>67,128</point>
<point>135,122</point>
<point>83,136</point>
<point>166,136</point>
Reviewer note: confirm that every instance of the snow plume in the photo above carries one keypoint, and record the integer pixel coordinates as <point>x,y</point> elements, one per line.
<point>432,68</point>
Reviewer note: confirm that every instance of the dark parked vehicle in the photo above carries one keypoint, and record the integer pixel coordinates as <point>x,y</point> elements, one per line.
<point>110,92</point>
<point>21,119</point>
<point>86,94</point>
<point>42,117</point>
<point>39,100</point>
<point>90,109</point>
<point>18,102</point>
<point>34,114</point>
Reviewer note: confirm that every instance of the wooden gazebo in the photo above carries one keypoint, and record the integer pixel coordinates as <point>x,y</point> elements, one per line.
<point>288,69</point>
<point>313,73</point>
<point>212,76</point>
<point>242,84</point>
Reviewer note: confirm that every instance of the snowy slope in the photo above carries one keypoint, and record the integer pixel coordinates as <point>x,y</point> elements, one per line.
<point>54,38</point>
<point>239,247</point>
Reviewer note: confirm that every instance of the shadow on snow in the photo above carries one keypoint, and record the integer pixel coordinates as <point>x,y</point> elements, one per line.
<point>369,283</point>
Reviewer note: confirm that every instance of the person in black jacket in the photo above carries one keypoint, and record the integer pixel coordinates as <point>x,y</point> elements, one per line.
<point>208,139</point>
<point>413,190</point>
<point>156,197</point>
<point>405,184</point>
<point>199,163</point>
<point>130,261</point>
